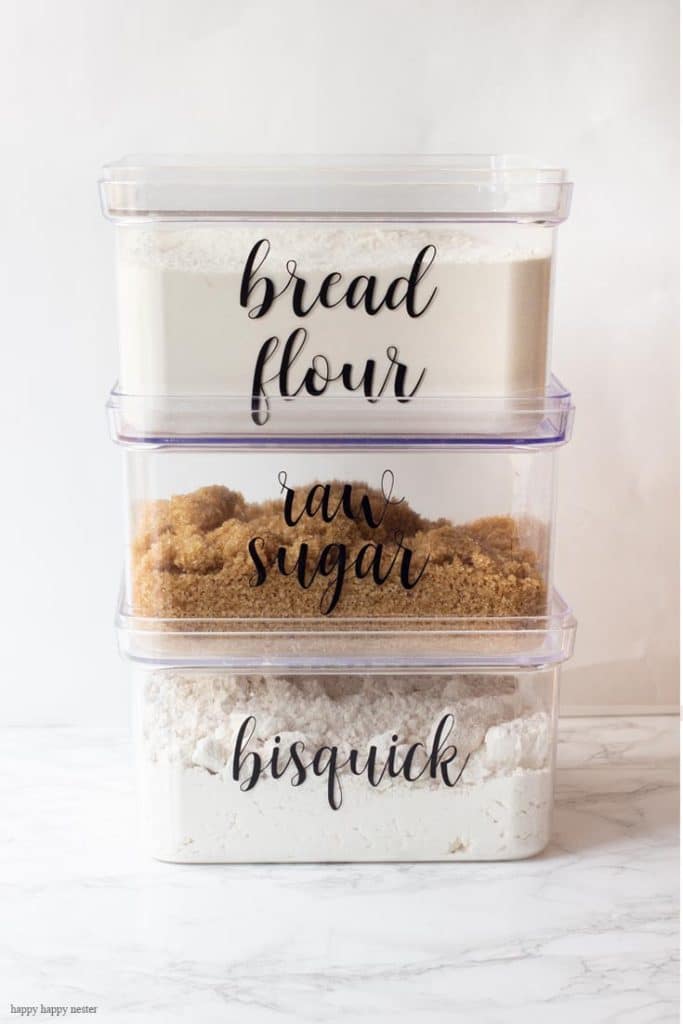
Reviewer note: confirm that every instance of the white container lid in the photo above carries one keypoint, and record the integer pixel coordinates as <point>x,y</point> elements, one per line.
<point>449,187</point>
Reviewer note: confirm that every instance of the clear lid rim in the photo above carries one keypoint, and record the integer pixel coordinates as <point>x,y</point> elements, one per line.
<point>551,637</point>
<point>404,166</point>
<point>554,390</point>
<point>560,615</point>
<point>528,420</point>
<point>487,187</point>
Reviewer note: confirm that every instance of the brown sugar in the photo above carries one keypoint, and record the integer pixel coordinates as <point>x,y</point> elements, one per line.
<point>212,554</point>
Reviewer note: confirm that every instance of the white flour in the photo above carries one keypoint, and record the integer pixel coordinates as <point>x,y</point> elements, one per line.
<point>183,330</point>
<point>195,810</point>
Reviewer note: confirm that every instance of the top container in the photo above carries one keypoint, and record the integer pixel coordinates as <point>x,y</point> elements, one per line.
<point>393,276</point>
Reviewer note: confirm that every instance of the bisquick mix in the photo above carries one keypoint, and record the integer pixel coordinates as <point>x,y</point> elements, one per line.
<point>240,768</point>
<point>349,552</point>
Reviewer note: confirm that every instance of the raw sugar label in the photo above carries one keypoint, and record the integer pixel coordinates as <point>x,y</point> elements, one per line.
<point>339,561</point>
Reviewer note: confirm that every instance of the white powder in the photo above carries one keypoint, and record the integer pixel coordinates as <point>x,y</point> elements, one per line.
<point>195,810</point>
<point>183,330</point>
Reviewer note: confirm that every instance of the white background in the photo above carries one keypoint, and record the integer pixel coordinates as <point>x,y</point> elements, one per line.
<point>591,84</point>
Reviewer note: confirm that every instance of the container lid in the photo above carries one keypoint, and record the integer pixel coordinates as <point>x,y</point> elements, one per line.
<point>466,187</point>
<point>351,645</point>
<point>200,421</point>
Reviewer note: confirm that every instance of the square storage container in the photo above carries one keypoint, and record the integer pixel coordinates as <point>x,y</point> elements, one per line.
<point>357,743</point>
<point>396,277</point>
<point>410,528</point>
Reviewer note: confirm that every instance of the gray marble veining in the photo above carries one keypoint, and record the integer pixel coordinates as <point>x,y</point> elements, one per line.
<point>587,932</point>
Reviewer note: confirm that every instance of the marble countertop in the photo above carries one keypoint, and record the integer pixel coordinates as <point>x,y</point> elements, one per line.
<point>586,932</point>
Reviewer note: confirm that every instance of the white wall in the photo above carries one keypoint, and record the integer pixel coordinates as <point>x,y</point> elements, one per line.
<point>588,83</point>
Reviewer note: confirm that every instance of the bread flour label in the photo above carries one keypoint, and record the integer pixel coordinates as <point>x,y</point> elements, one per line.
<point>291,366</point>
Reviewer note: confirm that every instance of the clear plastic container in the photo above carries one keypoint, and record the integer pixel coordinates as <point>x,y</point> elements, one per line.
<point>296,278</point>
<point>369,752</point>
<point>318,527</point>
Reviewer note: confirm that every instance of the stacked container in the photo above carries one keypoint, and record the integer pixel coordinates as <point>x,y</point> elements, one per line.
<point>339,433</point>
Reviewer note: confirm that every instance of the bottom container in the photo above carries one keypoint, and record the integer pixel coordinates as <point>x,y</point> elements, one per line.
<point>321,768</point>
<point>247,762</point>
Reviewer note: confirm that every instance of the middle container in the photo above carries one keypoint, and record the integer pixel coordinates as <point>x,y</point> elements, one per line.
<point>327,526</point>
